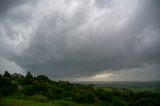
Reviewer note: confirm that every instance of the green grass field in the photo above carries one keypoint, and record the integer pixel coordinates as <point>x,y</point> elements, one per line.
<point>20,102</point>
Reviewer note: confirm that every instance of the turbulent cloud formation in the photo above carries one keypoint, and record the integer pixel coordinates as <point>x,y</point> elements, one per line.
<point>10,66</point>
<point>78,39</point>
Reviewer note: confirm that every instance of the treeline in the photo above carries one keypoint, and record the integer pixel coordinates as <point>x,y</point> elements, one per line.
<point>46,90</point>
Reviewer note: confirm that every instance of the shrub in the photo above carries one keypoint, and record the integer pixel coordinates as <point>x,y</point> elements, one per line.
<point>39,98</point>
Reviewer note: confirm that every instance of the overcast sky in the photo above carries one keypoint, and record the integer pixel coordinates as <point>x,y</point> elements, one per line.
<point>108,40</point>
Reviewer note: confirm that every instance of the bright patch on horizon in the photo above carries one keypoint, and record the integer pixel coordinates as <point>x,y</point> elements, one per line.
<point>98,77</point>
<point>102,76</point>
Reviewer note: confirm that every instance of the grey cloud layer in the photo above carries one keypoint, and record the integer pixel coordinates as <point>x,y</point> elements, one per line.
<point>81,38</point>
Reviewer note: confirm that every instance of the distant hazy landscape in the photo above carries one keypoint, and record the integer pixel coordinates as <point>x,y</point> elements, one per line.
<point>121,83</point>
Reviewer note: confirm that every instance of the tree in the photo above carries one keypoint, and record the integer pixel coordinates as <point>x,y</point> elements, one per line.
<point>18,77</point>
<point>6,86</point>
<point>28,90</point>
<point>43,78</point>
<point>88,97</point>
<point>119,101</point>
<point>103,95</point>
<point>29,78</point>
<point>7,74</point>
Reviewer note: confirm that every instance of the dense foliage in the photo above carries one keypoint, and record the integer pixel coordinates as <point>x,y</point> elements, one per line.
<point>44,89</point>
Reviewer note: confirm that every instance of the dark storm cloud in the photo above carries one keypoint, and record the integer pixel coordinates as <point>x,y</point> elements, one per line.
<point>103,3</point>
<point>6,5</point>
<point>82,38</point>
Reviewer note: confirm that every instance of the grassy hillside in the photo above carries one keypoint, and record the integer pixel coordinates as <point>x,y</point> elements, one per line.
<point>19,90</point>
<point>20,102</point>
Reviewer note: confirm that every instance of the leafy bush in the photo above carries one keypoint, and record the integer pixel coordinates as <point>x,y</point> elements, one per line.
<point>39,98</point>
<point>119,101</point>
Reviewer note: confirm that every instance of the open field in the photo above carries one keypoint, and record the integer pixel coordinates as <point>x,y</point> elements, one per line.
<point>19,102</point>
